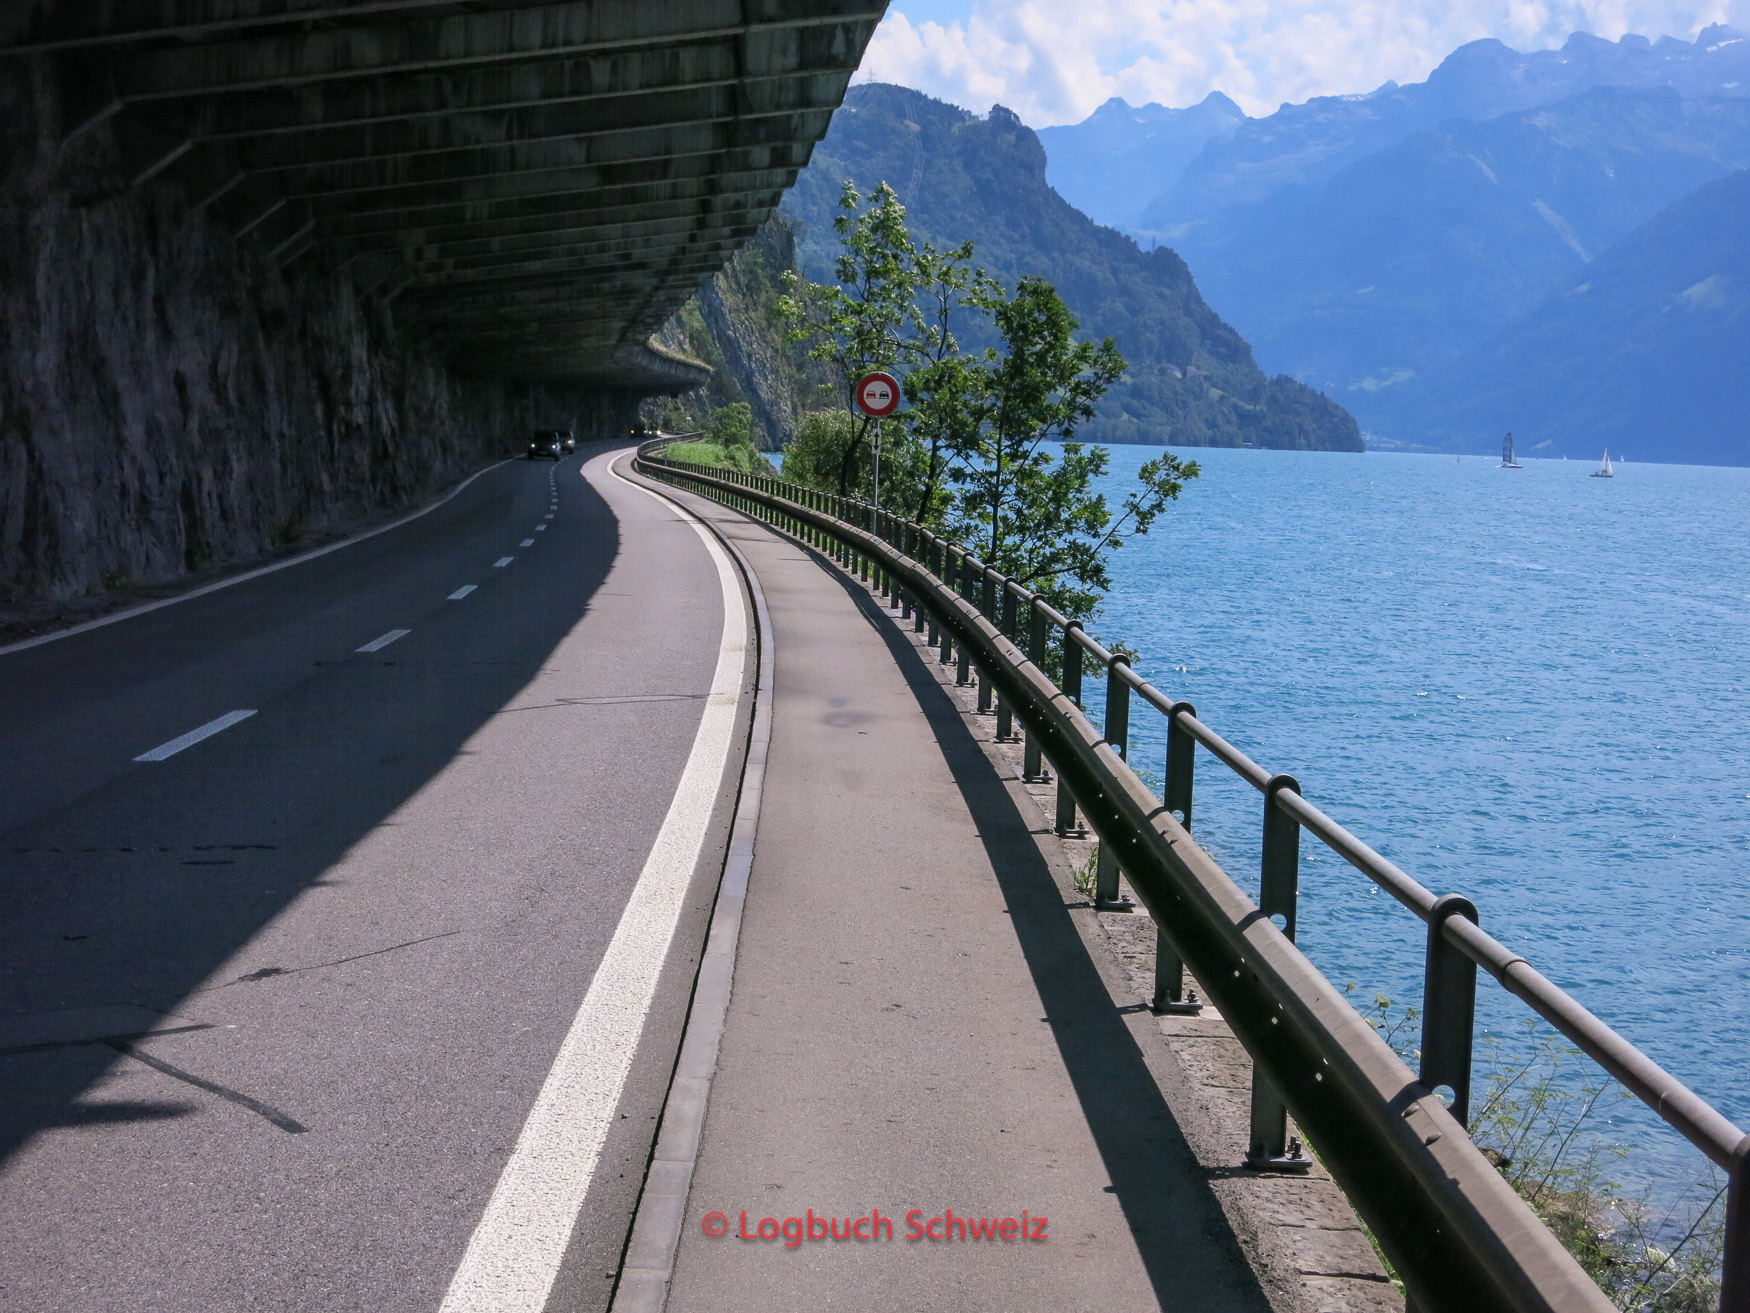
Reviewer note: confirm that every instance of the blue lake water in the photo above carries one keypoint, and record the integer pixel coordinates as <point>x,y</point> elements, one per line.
<point>1528,686</point>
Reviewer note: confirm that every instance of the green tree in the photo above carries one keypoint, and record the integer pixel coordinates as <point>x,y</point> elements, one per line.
<point>812,458</point>
<point>866,320</point>
<point>985,424</point>
<point>1034,511</point>
<point>731,426</point>
<point>944,388</point>
<point>727,441</point>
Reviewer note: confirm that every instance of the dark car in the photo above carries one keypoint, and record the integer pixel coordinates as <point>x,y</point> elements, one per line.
<point>546,444</point>
<point>567,439</point>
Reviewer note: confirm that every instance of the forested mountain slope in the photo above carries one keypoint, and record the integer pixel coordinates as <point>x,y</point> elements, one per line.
<point>1192,379</point>
<point>1417,253</point>
<point>1645,350</point>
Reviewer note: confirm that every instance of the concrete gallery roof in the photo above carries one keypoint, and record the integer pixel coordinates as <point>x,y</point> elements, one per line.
<point>537,186</point>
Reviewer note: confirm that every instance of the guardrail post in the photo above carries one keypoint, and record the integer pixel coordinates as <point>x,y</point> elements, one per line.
<point>1067,825</point>
<point>1735,1278</point>
<point>987,603</point>
<point>1117,733</point>
<point>883,531</point>
<point>1449,1008</point>
<point>1033,763</point>
<point>1279,888</point>
<point>1171,995</point>
<point>937,555</point>
<point>963,670</point>
<point>908,546</point>
<point>951,572</point>
<point>1006,624</point>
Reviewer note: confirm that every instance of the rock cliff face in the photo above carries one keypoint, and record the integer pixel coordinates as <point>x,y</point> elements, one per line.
<point>1191,380</point>
<point>732,324</point>
<point>169,400</point>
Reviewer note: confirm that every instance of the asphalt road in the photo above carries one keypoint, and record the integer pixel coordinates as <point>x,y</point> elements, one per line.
<point>357,923</point>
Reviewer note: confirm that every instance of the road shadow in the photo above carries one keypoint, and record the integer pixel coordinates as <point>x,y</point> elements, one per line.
<point>1183,1236</point>
<point>124,902</point>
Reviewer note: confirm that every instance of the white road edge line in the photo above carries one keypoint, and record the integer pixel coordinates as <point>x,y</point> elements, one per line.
<point>648,1264</point>
<point>128,613</point>
<point>378,644</point>
<point>515,1252</point>
<point>194,736</point>
<point>461,592</point>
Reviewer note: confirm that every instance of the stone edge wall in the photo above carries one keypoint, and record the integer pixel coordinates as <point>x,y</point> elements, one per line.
<point>170,402</point>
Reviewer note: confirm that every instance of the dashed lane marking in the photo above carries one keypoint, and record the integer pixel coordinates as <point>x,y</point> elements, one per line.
<point>502,561</point>
<point>461,592</point>
<point>516,1250</point>
<point>194,736</point>
<point>527,542</point>
<point>128,613</point>
<point>378,644</point>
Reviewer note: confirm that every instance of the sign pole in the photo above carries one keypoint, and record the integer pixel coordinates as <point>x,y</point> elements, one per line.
<point>877,396</point>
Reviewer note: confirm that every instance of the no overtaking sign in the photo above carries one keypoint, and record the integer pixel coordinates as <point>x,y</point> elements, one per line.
<point>877,394</point>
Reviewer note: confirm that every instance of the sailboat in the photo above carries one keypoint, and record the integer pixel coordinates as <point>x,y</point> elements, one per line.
<point>1604,471</point>
<point>1507,461</point>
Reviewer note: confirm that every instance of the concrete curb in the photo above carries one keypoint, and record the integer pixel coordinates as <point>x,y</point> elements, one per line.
<point>648,1263</point>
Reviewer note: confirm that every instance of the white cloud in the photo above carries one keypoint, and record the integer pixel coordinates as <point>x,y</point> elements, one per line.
<point>1055,62</point>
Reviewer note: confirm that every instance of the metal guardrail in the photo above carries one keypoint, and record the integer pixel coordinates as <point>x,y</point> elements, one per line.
<point>1457,1233</point>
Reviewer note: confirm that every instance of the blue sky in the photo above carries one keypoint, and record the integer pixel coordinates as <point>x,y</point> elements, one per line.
<point>1054,61</point>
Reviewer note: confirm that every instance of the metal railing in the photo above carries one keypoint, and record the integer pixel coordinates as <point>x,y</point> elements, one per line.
<point>1456,1232</point>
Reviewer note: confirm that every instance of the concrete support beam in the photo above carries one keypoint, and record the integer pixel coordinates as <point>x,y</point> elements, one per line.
<point>455,41</point>
<point>515,295</point>
<point>574,241</point>
<point>630,128</point>
<point>149,140</point>
<point>719,62</point>
<point>453,280</point>
<point>30,25</point>
<point>563,209</point>
<point>629,203</point>
<point>533,186</point>
<point>505,167</point>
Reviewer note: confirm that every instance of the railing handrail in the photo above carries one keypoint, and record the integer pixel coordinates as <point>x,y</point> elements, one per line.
<point>1452,920</point>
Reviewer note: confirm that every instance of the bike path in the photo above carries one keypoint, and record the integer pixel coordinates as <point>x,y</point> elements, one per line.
<point>916,1028</point>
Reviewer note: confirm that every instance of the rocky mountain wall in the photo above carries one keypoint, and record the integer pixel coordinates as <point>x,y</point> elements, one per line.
<point>733,325</point>
<point>171,401</point>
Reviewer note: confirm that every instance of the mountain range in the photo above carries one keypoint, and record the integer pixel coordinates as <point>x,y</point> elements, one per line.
<point>1382,246</point>
<point>1096,163</point>
<point>1191,381</point>
<point>1646,349</point>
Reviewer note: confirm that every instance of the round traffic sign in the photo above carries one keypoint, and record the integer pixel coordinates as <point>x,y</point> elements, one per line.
<point>877,394</point>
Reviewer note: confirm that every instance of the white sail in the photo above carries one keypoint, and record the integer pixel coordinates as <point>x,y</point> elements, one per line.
<point>1604,471</point>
